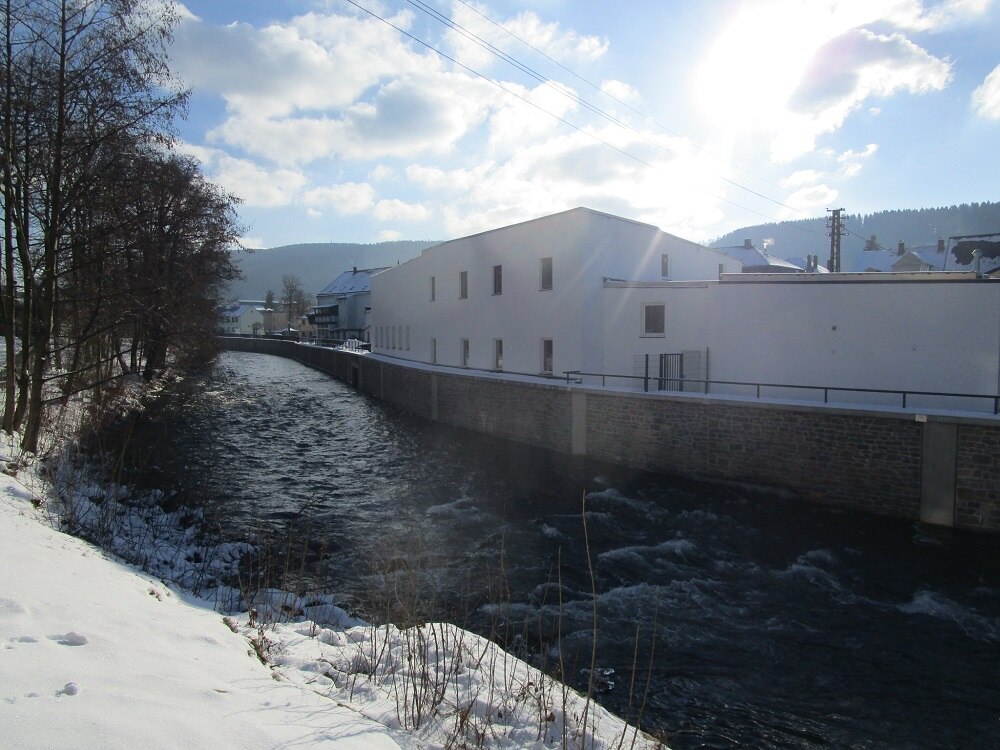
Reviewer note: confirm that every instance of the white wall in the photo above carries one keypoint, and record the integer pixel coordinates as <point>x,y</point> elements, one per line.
<point>585,246</point>
<point>894,335</point>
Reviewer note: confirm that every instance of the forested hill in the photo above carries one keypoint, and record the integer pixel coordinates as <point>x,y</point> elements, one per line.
<point>315,264</point>
<point>914,227</point>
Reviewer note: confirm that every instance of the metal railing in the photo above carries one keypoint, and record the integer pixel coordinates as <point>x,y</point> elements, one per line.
<point>758,390</point>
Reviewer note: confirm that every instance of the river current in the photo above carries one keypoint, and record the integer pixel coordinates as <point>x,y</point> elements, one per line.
<point>760,622</point>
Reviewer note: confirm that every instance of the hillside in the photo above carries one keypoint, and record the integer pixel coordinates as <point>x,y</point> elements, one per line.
<point>316,264</point>
<point>914,227</point>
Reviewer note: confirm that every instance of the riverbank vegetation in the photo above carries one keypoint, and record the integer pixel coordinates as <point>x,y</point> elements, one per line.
<point>115,247</point>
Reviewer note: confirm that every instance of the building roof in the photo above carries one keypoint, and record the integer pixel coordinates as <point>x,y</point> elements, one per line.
<point>803,263</point>
<point>356,281</point>
<point>927,255</point>
<point>755,260</point>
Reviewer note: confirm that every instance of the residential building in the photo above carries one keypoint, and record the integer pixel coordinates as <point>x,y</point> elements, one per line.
<point>343,307</point>
<point>244,318</point>
<point>759,261</point>
<point>528,297</point>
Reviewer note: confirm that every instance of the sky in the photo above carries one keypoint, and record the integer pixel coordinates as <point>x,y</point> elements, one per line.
<point>374,120</point>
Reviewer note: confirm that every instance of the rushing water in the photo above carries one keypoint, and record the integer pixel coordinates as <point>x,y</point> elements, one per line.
<point>761,623</point>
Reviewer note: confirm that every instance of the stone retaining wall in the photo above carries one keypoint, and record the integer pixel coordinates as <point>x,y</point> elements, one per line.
<point>853,458</point>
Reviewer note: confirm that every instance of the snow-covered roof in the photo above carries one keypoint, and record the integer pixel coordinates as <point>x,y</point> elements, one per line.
<point>927,255</point>
<point>235,310</point>
<point>356,281</point>
<point>803,263</point>
<point>875,260</point>
<point>757,260</point>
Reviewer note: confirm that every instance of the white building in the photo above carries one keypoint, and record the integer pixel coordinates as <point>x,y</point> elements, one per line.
<point>934,332</point>
<point>527,298</point>
<point>343,307</point>
<point>244,317</point>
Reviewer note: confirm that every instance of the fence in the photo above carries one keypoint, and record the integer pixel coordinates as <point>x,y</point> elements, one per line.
<point>669,376</point>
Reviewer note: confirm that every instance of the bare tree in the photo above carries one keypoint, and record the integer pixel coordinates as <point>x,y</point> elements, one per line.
<point>114,250</point>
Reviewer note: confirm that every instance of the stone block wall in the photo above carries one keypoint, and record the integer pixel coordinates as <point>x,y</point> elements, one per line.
<point>852,458</point>
<point>858,460</point>
<point>977,502</point>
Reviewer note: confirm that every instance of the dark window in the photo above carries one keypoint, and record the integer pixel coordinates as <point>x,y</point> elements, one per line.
<point>654,320</point>
<point>465,352</point>
<point>433,289</point>
<point>497,279</point>
<point>463,284</point>
<point>546,273</point>
<point>498,354</point>
<point>547,355</point>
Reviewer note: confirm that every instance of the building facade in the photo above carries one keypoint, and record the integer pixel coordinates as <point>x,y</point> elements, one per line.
<point>343,307</point>
<point>526,298</point>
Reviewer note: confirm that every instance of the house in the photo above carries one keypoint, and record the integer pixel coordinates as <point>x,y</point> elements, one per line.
<point>759,261</point>
<point>242,318</point>
<point>529,297</point>
<point>343,307</point>
<point>936,257</point>
<point>925,258</point>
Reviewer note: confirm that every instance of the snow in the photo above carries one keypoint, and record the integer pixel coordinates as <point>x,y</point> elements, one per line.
<point>95,653</point>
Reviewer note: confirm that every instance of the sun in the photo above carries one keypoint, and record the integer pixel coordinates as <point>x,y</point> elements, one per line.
<point>753,67</point>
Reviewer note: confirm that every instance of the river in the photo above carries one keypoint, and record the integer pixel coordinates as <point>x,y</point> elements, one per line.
<point>760,622</point>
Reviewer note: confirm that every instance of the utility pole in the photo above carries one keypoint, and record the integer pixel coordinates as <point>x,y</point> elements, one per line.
<point>837,231</point>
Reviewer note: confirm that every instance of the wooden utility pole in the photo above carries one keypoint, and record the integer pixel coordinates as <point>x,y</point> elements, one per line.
<point>836,232</point>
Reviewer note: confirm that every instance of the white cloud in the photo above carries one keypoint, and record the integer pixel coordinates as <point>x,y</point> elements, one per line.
<point>347,198</point>
<point>253,184</point>
<point>561,44</point>
<point>914,16</point>
<point>847,71</point>
<point>405,117</point>
<point>382,172</point>
<point>853,161</point>
<point>620,90</point>
<point>314,62</point>
<point>986,98</point>
<point>811,199</point>
<point>252,243</point>
<point>389,235</point>
<point>808,68</point>
<point>802,177</point>
<point>397,210</point>
<point>517,121</point>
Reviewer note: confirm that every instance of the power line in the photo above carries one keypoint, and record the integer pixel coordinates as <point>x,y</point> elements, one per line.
<point>632,109</point>
<point>572,125</point>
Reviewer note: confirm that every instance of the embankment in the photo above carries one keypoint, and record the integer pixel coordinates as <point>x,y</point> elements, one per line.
<point>941,469</point>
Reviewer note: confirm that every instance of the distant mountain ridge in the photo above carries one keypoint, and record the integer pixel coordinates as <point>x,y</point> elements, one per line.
<point>913,227</point>
<point>316,264</point>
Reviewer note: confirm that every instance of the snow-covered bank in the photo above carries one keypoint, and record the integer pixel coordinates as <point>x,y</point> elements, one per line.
<point>95,654</point>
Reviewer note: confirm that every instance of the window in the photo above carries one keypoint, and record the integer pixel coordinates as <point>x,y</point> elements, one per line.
<point>497,279</point>
<point>497,354</point>
<point>465,352</point>
<point>407,338</point>
<point>546,274</point>
<point>433,289</point>
<point>547,356</point>
<point>653,320</point>
<point>392,337</point>
<point>463,284</point>
<point>434,351</point>
<point>665,266</point>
